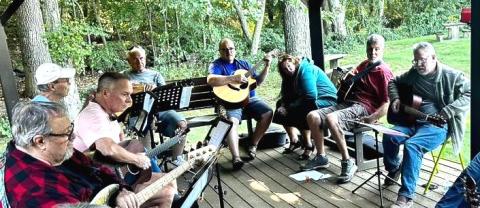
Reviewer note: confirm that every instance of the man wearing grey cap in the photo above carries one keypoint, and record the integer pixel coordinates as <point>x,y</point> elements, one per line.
<point>53,82</point>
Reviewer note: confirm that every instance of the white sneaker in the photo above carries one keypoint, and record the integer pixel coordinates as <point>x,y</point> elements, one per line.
<point>178,161</point>
<point>402,202</point>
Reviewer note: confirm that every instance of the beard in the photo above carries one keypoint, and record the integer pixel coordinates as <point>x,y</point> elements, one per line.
<point>69,152</point>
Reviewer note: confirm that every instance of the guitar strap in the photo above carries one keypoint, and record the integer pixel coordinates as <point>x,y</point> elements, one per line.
<point>363,73</point>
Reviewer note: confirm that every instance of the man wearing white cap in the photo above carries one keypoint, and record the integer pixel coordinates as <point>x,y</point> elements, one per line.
<point>53,82</point>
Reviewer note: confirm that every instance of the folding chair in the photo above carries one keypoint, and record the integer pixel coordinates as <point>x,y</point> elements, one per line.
<point>436,160</point>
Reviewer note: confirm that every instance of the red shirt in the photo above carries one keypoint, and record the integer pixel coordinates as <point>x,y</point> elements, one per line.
<point>371,91</point>
<point>32,183</point>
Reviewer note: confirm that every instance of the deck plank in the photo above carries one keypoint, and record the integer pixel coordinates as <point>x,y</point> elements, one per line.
<point>265,181</point>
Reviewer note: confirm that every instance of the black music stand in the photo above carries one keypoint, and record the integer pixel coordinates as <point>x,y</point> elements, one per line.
<point>215,136</point>
<point>384,130</point>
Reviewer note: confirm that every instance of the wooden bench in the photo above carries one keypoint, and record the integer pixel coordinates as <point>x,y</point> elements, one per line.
<point>333,59</point>
<point>202,97</point>
<point>454,29</point>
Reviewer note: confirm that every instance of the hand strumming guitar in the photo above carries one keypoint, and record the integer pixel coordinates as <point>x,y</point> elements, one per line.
<point>142,161</point>
<point>396,105</point>
<point>238,79</point>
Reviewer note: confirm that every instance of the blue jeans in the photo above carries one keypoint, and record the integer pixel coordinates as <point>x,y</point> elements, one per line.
<point>424,137</point>
<point>455,195</point>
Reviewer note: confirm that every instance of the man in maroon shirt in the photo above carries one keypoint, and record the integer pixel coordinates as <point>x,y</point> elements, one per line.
<point>367,101</point>
<point>43,169</point>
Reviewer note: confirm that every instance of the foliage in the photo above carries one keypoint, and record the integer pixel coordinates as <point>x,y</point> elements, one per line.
<point>109,57</point>
<point>67,45</point>
<point>5,130</point>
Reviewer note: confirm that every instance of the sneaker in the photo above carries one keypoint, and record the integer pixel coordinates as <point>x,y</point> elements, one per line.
<point>318,161</point>
<point>402,202</point>
<point>178,160</point>
<point>348,171</point>
<point>395,175</point>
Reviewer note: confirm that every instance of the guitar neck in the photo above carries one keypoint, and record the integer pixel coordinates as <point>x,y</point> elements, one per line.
<point>164,146</point>
<point>414,112</point>
<point>152,189</point>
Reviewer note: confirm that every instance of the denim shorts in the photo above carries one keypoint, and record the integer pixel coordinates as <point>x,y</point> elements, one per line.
<point>168,122</point>
<point>255,108</point>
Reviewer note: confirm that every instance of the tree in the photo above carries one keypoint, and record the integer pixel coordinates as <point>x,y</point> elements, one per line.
<point>33,46</point>
<point>258,28</point>
<point>243,20</point>
<point>51,15</point>
<point>338,22</point>
<point>296,29</point>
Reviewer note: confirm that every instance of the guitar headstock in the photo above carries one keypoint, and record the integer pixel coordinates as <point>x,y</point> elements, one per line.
<point>201,155</point>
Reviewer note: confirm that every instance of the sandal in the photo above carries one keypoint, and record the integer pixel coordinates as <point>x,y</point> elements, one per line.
<point>252,152</point>
<point>292,147</point>
<point>237,164</point>
<point>306,153</point>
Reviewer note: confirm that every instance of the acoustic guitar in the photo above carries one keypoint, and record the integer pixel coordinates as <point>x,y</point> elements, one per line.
<point>408,113</point>
<point>236,95</point>
<point>136,146</point>
<point>349,80</point>
<point>195,157</point>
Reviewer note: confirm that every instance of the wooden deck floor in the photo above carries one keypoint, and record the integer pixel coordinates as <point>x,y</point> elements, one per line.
<point>265,182</point>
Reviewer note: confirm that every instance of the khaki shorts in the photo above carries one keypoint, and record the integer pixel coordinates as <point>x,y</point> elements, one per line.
<point>344,111</point>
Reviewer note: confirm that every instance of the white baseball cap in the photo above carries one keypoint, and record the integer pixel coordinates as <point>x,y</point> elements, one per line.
<point>49,72</point>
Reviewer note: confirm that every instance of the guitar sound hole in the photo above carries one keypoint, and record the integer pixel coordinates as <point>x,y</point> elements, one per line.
<point>133,170</point>
<point>244,85</point>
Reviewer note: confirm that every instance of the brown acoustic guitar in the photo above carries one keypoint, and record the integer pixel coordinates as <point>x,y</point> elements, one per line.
<point>195,157</point>
<point>236,95</point>
<point>408,113</point>
<point>135,146</point>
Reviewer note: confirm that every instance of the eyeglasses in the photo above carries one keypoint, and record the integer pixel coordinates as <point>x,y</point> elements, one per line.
<point>420,61</point>
<point>227,49</point>
<point>69,134</point>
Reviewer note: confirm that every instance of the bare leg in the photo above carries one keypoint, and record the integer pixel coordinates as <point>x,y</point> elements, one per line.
<point>232,139</point>
<point>337,134</point>
<point>178,150</point>
<point>292,134</point>
<point>261,127</point>
<point>315,123</point>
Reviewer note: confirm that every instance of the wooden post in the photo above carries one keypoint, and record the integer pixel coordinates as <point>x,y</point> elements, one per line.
<point>315,18</point>
<point>475,79</point>
<point>9,87</point>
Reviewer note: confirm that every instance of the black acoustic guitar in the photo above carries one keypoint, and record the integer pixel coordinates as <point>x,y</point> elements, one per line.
<point>408,113</point>
<point>349,80</point>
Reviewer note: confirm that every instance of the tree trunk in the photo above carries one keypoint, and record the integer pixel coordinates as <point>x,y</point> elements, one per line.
<point>150,27</point>
<point>258,28</point>
<point>296,29</point>
<point>243,20</point>
<point>339,19</point>
<point>51,15</point>
<point>327,25</point>
<point>96,11</point>
<point>381,5</point>
<point>34,48</point>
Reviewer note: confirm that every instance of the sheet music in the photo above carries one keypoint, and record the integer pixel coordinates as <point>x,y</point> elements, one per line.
<point>218,133</point>
<point>380,128</point>
<point>148,102</point>
<point>185,98</point>
<point>197,189</point>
